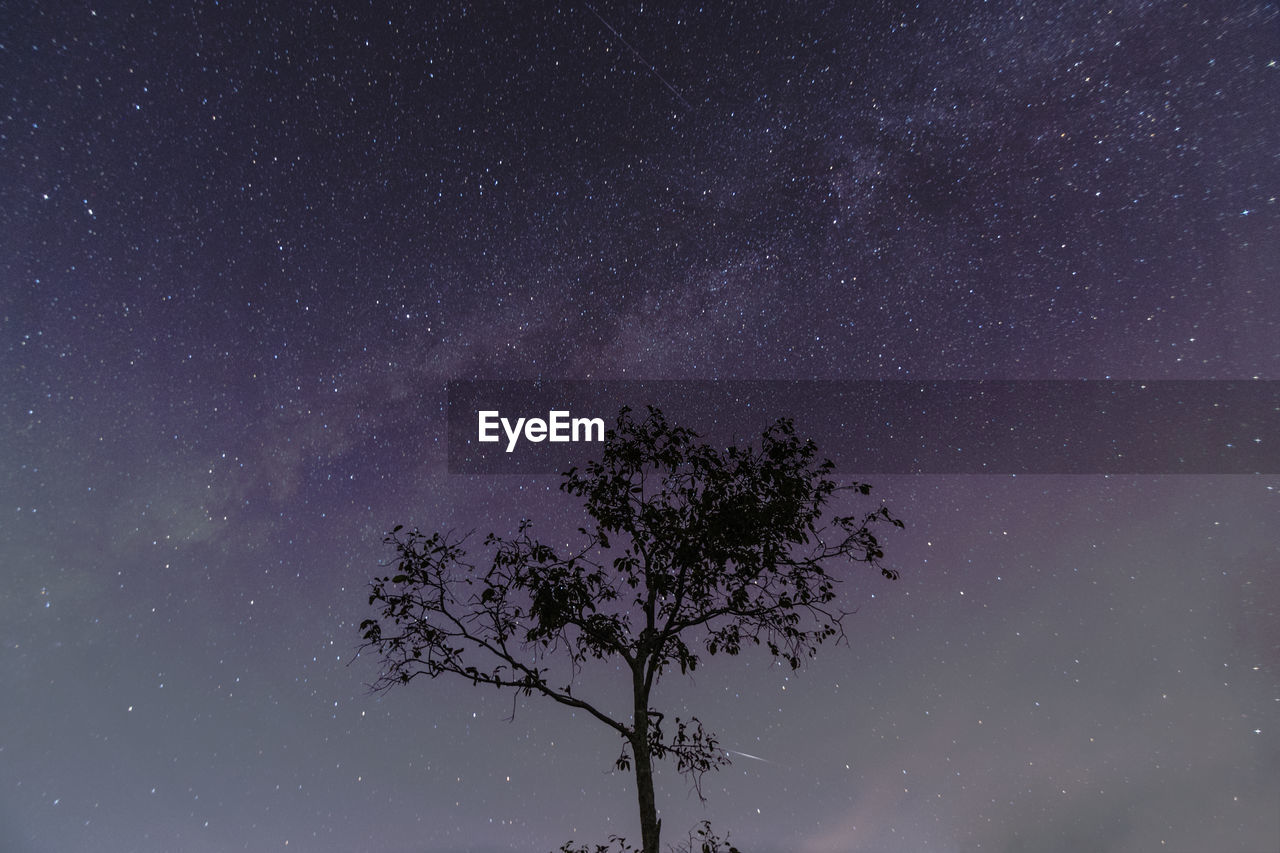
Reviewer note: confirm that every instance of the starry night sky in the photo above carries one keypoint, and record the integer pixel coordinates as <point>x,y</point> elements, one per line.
<point>243,247</point>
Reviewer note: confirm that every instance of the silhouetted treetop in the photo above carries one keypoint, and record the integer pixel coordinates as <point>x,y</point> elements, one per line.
<point>689,550</point>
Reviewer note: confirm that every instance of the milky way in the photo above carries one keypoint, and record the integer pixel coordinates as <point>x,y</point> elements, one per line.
<point>246,245</point>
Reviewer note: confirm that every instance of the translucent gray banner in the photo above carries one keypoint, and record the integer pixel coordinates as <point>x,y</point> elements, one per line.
<point>891,427</point>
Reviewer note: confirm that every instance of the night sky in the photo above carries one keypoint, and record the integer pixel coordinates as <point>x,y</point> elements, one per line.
<point>244,246</point>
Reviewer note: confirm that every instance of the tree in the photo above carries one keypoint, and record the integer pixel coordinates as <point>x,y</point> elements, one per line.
<point>690,551</point>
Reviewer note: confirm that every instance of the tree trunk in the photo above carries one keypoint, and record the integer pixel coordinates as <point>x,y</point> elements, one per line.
<point>650,826</point>
<point>649,823</point>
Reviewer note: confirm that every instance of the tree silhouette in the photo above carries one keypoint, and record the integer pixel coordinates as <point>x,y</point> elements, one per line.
<point>690,550</point>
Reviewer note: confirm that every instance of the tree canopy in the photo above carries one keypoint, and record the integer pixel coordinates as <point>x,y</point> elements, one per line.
<point>688,552</point>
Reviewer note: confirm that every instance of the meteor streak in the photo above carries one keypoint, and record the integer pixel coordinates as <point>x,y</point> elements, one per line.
<point>642,60</point>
